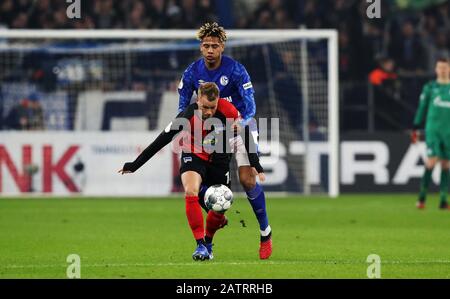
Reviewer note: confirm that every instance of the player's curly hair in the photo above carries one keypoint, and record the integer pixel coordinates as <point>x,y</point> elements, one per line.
<point>212,29</point>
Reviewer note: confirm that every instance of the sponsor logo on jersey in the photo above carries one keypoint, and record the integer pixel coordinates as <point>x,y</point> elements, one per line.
<point>247,85</point>
<point>440,103</point>
<point>229,99</point>
<point>187,159</point>
<point>224,80</point>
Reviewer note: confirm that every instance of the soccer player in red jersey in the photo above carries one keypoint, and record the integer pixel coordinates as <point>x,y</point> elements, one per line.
<point>205,157</point>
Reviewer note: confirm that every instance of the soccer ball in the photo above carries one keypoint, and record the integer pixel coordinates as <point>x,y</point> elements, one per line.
<point>218,198</point>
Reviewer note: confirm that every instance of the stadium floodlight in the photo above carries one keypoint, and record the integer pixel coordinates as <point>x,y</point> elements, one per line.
<point>294,73</point>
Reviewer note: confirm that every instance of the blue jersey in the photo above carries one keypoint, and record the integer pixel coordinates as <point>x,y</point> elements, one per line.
<point>232,79</point>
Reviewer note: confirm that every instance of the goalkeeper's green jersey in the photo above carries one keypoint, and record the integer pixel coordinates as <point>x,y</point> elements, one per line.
<point>434,107</point>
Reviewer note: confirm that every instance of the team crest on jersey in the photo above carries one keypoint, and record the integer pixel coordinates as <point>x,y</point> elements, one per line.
<point>224,80</point>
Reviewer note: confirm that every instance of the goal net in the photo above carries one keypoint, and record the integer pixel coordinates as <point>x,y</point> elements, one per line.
<point>118,80</point>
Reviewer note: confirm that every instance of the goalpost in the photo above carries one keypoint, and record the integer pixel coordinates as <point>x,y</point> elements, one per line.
<point>126,80</point>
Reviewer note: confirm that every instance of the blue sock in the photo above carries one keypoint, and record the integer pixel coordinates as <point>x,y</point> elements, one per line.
<point>201,193</point>
<point>257,199</point>
<point>201,197</point>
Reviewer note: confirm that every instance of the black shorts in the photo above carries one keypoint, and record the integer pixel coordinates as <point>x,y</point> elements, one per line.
<point>211,173</point>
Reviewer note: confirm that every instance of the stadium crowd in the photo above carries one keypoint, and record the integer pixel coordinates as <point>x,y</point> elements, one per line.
<point>411,36</point>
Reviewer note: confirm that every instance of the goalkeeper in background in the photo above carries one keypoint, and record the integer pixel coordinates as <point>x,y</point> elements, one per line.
<point>434,110</point>
<point>235,85</point>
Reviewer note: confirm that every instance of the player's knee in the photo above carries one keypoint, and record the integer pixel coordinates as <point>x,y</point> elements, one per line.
<point>248,182</point>
<point>430,163</point>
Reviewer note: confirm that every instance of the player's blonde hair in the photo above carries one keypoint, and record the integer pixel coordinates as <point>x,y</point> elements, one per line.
<point>212,29</point>
<point>210,90</point>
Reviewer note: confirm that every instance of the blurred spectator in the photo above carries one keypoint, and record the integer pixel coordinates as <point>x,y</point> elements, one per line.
<point>17,118</point>
<point>373,44</point>
<point>190,14</point>
<point>104,14</point>
<point>282,20</point>
<point>383,73</point>
<point>443,15</point>
<point>207,11</point>
<point>408,51</point>
<point>20,22</point>
<point>438,49</point>
<point>339,14</point>
<point>27,115</point>
<point>41,15</point>
<point>137,18</point>
<point>310,14</point>
<point>157,12</point>
<point>36,116</point>
<point>385,92</point>
<point>7,13</point>
<point>272,14</point>
<point>346,57</point>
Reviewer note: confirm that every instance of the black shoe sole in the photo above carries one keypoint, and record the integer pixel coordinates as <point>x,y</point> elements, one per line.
<point>199,258</point>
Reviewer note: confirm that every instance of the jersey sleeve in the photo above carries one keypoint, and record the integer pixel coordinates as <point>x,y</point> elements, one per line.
<point>424,101</point>
<point>228,109</point>
<point>164,138</point>
<point>246,91</point>
<point>186,88</point>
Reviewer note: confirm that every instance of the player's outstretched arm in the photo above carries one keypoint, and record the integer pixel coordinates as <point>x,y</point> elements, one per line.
<point>161,141</point>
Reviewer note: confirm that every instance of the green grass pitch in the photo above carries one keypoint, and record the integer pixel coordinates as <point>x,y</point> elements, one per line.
<point>314,237</point>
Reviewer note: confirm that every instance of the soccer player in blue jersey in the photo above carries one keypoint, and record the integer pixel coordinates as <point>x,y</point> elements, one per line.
<point>235,86</point>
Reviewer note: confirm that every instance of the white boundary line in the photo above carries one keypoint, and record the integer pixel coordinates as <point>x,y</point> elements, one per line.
<point>335,262</point>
